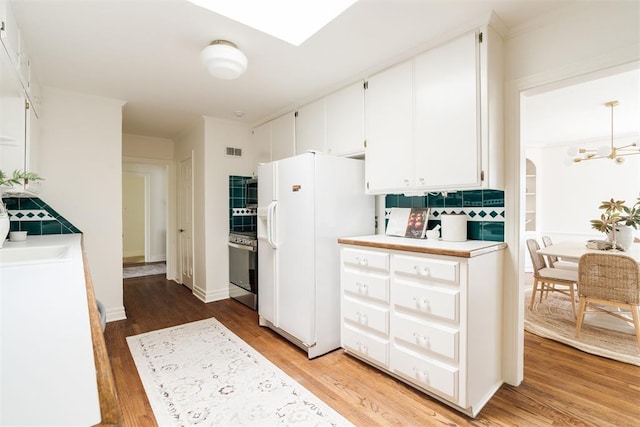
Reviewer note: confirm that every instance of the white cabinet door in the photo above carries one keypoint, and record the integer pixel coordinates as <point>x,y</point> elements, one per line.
<point>261,140</point>
<point>310,127</point>
<point>345,120</point>
<point>283,136</point>
<point>447,138</point>
<point>389,130</point>
<point>10,33</point>
<point>12,118</point>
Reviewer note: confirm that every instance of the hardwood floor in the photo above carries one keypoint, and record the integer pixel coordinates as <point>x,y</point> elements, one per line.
<point>562,386</point>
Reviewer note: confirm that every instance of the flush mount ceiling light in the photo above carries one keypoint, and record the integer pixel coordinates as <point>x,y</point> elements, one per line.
<point>617,154</point>
<point>224,60</point>
<point>293,21</point>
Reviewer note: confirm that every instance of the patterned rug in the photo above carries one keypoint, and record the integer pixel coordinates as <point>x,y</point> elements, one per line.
<point>601,335</point>
<point>144,270</point>
<point>202,374</point>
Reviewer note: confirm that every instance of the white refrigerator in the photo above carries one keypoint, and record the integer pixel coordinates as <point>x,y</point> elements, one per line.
<point>305,203</point>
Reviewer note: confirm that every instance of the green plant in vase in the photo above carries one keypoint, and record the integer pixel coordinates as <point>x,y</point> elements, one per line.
<point>616,214</point>
<point>18,177</point>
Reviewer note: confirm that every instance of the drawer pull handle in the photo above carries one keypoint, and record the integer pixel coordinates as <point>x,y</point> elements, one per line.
<point>362,318</point>
<point>422,340</point>
<point>422,304</point>
<point>422,376</point>
<point>362,261</point>
<point>424,271</point>
<point>362,287</point>
<point>362,348</point>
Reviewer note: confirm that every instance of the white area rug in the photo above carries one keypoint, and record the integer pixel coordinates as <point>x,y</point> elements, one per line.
<point>144,270</point>
<point>202,374</point>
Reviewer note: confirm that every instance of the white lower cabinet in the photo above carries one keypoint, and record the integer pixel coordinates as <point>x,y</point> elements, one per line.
<point>433,321</point>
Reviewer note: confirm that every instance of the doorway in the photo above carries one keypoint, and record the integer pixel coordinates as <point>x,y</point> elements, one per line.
<point>145,193</point>
<point>134,218</point>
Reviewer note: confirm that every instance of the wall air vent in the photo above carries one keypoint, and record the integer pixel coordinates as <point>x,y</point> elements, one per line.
<point>235,152</point>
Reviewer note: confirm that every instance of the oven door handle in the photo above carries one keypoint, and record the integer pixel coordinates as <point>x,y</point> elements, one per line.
<point>245,247</point>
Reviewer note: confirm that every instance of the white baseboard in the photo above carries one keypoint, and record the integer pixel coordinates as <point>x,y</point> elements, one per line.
<point>117,313</point>
<point>203,296</point>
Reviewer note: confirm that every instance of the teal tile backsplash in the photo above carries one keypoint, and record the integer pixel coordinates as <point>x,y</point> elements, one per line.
<point>34,216</point>
<point>484,210</point>
<point>240,218</point>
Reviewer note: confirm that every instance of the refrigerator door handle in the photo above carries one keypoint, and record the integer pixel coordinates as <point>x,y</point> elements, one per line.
<point>271,224</point>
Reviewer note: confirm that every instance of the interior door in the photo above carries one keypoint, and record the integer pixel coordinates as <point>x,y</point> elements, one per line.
<point>185,222</point>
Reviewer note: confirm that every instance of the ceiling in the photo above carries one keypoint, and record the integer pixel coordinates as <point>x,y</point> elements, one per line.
<point>146,53</point>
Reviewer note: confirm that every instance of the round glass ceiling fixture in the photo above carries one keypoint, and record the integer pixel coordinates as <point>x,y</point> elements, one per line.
<point>224,60</point>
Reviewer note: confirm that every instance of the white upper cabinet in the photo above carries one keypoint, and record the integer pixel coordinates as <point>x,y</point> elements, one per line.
<point>345,121</point>
<point>261,140</point>
<point>273,140</point>
<point>447,116</point>
<point>13,118</point>
<point>310,127</point>
<point>333,124</point>
<point>9,32</point>
<point>389,134</point>
<point>283,135</point>
<point>434,123</point>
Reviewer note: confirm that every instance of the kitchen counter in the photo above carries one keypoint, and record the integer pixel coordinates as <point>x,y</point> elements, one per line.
<point>468,249</point>
<point>47,364</point>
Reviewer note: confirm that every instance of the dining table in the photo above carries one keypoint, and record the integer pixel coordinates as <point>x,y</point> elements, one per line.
<point>572,250</point>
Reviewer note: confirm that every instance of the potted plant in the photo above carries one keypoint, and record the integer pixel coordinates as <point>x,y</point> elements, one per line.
<point>6,183</point>
<point>17,178</point>
<point>617,221</point>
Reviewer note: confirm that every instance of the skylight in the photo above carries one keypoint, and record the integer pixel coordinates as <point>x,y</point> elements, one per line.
<point>293,21</point>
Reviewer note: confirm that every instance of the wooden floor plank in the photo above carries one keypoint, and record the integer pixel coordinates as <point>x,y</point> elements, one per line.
<point>562,386</point>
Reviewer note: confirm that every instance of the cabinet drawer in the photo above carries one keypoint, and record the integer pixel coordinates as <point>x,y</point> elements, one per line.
<point>425,268</point>
<point>366,259</point>
<point>373,286</point>
<point>366,345</point>
<point>426,337</point>
<point>425,373</point>
<point>366,315</point>
<point>428,300</point>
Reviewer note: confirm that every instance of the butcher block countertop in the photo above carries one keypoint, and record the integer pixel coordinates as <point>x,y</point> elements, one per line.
<point>468,249</point>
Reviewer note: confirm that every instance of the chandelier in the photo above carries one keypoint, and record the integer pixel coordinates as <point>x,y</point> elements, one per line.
<point>617,154</point>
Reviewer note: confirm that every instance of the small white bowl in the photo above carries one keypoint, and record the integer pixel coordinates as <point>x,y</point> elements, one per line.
<point>17,236</point>
<point>433,234</point>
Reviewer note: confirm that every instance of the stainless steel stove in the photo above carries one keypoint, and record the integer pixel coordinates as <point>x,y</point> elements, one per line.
<point>243,268</point>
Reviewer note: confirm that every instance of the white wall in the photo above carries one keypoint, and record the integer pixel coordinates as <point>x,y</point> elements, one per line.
<point>576,41</point>
<point>569,196</point>
<point>146,147</point>
<point>218,135</point>
<point>81,160</point>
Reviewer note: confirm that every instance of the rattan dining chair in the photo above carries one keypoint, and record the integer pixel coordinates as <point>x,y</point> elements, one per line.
<point>554,261</point>
<point>613,280</point>
<point>548,279</point>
